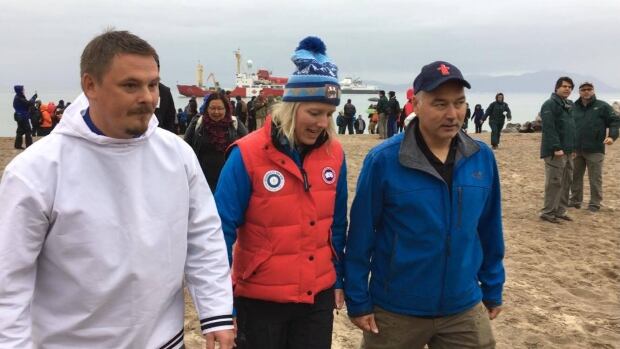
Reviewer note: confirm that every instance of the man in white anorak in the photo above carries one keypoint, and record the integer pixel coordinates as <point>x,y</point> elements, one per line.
<point>102,221</point>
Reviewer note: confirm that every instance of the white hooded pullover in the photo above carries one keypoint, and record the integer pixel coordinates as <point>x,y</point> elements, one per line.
<point>96,236</point>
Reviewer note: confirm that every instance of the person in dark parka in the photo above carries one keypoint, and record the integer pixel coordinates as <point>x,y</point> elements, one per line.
<point>497,112</point>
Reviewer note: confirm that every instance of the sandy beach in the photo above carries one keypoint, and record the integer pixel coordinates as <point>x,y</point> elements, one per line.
<point>563,281</point>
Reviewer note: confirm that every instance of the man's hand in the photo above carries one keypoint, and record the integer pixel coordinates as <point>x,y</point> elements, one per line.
<point>339,296</point>
<point>226,338</point>
<point>366,323</point>
<point>608,141</point>
<point>494,312</point>
<point>558,153</point>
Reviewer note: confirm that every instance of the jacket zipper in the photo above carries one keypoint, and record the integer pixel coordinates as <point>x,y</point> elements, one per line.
<point>446,255</point>
<point>460,220</point>
<point>305,177</point>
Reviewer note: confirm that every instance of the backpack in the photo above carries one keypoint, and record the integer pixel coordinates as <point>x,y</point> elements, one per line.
<point>340,120</point>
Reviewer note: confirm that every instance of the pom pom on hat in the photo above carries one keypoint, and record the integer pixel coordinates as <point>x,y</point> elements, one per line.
<point>312,44</point>
<point>316,77</point>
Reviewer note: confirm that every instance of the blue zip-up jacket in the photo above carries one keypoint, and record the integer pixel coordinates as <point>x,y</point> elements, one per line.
<point>233,193</point>
<point>429,251</point>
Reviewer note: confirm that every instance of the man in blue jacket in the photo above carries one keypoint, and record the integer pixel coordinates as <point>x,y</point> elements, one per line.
<point>426,225</point>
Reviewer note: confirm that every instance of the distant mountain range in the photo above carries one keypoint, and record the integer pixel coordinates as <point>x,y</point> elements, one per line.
<point>541,81</point>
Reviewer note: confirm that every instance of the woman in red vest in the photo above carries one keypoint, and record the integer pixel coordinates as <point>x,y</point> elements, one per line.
<point>282,198</point>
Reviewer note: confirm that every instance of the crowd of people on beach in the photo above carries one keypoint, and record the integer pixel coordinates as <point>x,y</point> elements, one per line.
<point>111,216</point>
<point>33,118</point>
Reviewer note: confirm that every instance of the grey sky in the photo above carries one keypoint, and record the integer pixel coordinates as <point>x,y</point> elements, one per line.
<point>383,40</point>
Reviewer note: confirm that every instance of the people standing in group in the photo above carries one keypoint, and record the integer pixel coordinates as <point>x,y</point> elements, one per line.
<point>407,110</point>
<point>182,121</point>
<point>393,112</point>
<point>426,227</point>
<point>373,119</point>
<point>282,197</point>
<point>341,123</point>
<point>241,111</point>
<point>35,117</point>
<point>22,106</point>
<point>165,111</point>
<point>467,117</point>
<point>349,116</point>
<point>557,150</point>
<point>104,222</point>
<point>57,111</point>
<point>596,126</point>
<point>251,115</point>
<point>211,133</point>
<point>47,123</point>
<point>261,109</point>
<point>382,110</point>
<point>360,125</point>
<point>191,109</point>
<point>497,113</point>
<point>478,117</point>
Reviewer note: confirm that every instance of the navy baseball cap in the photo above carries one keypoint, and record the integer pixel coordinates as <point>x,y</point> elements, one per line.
<point>436,74</point>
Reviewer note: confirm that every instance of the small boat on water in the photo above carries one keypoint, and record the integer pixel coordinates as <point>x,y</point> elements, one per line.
<point>356,86</point>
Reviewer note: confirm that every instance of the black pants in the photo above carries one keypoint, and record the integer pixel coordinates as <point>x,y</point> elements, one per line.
<point>251,123</point>
<point>496,132</point>
<point>349,123</point>
<point>23,129</point>
<point>478,127</point>
<point>270,325</point>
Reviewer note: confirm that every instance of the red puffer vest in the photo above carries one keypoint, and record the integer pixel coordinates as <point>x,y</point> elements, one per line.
<point>283,251</point>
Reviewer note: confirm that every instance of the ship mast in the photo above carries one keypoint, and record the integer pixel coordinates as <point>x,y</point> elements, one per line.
<point>238,58</point>
<point>199,74</point>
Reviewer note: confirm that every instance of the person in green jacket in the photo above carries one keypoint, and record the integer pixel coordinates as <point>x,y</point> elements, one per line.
<point>556,148</point>
<point>382,109</point>
<point>497,112</point>
<point>593,119</point>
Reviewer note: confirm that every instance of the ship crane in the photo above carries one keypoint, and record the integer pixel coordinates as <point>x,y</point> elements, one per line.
<point>216,84</point>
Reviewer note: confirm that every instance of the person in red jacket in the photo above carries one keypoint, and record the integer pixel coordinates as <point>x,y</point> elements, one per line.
<point>282,198</point>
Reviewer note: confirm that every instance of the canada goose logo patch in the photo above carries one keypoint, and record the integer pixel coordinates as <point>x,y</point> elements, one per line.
<point>273,181</point>
<point>329,175</point>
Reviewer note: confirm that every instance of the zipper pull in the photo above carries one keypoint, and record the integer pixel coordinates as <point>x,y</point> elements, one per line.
<point>305,177</point>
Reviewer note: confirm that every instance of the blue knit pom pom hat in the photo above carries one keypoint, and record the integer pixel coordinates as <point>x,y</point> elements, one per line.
<point>316,77</point>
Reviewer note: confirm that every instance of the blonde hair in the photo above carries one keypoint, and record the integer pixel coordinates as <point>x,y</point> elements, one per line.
<point>284,114</point>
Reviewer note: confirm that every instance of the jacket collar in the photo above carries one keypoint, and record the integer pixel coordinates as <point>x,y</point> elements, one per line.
<point>281,143</point>
<point>580,103</point>
<point>411,156</point>
<point>564,103</point>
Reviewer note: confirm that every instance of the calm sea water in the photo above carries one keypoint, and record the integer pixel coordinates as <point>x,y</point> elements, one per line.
<point>524,107</point>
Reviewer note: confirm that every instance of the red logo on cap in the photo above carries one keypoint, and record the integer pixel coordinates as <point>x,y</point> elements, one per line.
<point>445,70</point>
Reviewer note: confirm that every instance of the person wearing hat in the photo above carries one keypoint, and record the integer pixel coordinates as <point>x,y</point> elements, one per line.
<point>556,149</point>
<point>282,198</point>
<point>426,225</point>
<point>596,126</point>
